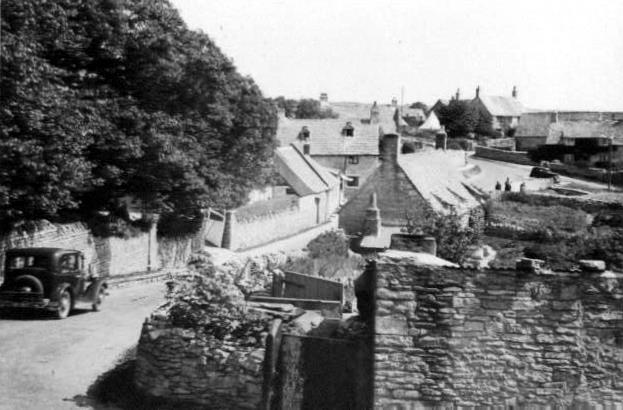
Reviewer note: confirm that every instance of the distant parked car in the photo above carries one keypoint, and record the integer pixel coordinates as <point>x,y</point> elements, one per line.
<point>49,278</point>
<point>542,172</point>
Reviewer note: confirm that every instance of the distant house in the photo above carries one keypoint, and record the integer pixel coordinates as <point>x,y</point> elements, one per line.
<point>348,145</point>
<point>406,184</point>
<point>307,196</point>
<point>573,137</point>
<point>504,112</point>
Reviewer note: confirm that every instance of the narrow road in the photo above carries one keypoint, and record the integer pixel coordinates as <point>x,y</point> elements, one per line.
<point>45,363</point>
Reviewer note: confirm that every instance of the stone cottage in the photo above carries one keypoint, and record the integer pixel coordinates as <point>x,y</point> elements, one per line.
<point>573,137</point>
<point>504,111</point>
<point>406,184</point>
<point>306,196</point>
<point>348,144</point>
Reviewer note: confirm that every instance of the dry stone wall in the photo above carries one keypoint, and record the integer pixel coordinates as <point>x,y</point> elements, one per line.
<point>463,338</point>
<point>188,366</point>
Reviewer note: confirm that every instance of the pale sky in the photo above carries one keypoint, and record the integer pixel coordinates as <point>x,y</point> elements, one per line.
<point>559,54</point>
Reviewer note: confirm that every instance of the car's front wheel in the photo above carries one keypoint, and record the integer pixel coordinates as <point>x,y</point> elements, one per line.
<point>64,305</point>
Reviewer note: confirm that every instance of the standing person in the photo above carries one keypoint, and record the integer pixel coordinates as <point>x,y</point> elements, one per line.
<point>507,185</point>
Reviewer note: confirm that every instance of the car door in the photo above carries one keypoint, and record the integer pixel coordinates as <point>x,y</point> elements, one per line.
<point>69,272</point>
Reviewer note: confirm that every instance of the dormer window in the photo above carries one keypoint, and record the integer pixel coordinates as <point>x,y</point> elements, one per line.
<point>348,130</point>
<point>304,134</point>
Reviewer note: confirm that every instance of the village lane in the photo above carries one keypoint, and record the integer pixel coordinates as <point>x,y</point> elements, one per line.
<point>49,364</point>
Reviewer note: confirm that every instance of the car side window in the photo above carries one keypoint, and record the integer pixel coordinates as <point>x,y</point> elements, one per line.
<point>69,263</point>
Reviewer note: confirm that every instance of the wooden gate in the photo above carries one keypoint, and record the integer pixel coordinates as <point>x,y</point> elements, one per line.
<point>315,373</point>
<point>299,286</point>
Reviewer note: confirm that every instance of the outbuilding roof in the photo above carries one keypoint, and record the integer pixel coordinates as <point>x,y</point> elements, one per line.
<point>438,177</point>
<point>302,173</point>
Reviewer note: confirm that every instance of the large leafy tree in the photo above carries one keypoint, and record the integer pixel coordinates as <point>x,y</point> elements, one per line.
<point>104,99</point>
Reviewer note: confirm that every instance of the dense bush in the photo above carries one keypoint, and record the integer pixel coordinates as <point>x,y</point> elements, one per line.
<point>209,300</point>
<point>334,242</point>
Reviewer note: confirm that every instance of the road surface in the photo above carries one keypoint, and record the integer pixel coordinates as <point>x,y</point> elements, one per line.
<point>47,363</point>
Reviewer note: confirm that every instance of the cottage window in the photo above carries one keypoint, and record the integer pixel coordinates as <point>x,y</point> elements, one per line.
<point>353,159</point>
<point>352,181</point>
<point>348,130</point>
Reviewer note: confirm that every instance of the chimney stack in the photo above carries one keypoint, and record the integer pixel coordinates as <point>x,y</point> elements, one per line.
<point>390,147</point>
<point>372,223</point>
<point>324,100</point>
<point>514,92</point>
<point>458,93</point>
<point>394,102</point>
<point>477,91</point>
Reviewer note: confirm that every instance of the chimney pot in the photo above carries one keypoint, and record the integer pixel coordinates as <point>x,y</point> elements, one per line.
<point>514,92</point>
<point>477,91</point>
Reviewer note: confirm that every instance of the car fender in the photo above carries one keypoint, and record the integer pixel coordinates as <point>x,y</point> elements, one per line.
<point>60,289</point>
<point>94,289</point>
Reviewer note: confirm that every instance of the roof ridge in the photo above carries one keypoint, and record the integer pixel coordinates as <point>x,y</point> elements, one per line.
<point>310,165</point>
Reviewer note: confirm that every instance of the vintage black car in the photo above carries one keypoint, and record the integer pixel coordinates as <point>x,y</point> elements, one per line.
<point>49,278</point>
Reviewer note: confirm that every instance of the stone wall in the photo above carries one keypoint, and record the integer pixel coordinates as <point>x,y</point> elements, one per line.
<point>517,157</point>
<point>183,365</point>
<point>109,256</point>
<point>464,338</point>
<point>71,236</point>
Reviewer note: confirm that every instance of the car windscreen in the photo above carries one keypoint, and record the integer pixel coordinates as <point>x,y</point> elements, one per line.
<point>27,261</point>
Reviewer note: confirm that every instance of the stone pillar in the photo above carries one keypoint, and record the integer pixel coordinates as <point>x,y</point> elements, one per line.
<point>372,223</point>
<point>228,230</point>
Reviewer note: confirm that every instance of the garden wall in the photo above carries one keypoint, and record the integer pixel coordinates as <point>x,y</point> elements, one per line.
<point>517,157</point>
<point>184,365</point>
<point>110,256</point>
<point>462,338</point>
<point>251,230</point>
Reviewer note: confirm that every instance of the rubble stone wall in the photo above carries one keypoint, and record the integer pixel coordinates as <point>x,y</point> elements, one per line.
<point>185,366</point>
<point>456,337</point>
<point>517,157</point>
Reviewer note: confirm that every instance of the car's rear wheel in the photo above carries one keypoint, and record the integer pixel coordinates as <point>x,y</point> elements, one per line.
<point>99,299</point>
<point>64,305</point>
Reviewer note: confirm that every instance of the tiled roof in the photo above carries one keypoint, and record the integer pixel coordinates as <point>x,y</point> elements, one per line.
<point>302,173</point>
<point>438,177</point>
<point>326,136</point>
<point>500,106</point>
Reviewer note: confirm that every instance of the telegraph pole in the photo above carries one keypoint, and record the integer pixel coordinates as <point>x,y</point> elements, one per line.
<point>610,164</point>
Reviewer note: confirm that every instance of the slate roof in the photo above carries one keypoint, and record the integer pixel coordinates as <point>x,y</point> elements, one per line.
<point>438,177</point>
<point>302,173</point>
<point>326,136</point>
<point>500,106</point>
<point>585,129</point>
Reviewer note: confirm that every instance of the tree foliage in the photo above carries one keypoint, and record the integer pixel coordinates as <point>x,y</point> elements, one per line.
<point>462,118</point>
<point>420,105</point>
<point>105,99</point>
<point>306,108</point>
